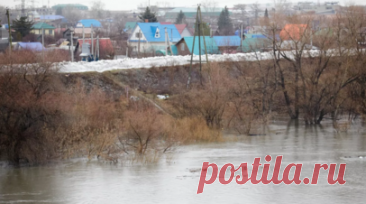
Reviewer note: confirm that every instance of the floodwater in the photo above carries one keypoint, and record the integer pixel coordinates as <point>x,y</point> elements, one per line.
<point>174,178</point>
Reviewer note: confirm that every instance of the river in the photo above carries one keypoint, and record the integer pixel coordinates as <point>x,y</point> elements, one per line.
<point>174,177</point>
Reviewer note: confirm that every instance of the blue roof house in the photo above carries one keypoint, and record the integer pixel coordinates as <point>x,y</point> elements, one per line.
<point>152,36</point>
<point>88,22</point>
<point>227,44</point>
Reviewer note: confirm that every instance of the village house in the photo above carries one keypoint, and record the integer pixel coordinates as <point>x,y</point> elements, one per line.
<point>48,29</point>
<point>150,37</point>
<point>293,32</point>
<point>185,45</point>
<point>87,23</point>
<point>227,44</point>
<point>183,30</point>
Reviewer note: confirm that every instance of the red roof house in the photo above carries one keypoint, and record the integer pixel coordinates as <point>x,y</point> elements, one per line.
<point>293,31</point>
<point>183,30</point>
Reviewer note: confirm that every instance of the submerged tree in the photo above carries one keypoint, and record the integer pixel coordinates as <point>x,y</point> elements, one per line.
<point>180,18</point>
<point>224,23</point>
<point>148,15</point>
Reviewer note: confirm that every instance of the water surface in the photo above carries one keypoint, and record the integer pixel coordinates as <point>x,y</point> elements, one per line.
<point>174,179</point>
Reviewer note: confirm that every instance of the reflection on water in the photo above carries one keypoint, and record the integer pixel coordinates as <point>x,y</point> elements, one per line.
<point>174,179</point>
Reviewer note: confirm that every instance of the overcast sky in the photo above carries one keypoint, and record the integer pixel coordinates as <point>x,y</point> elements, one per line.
<point>130,5</point>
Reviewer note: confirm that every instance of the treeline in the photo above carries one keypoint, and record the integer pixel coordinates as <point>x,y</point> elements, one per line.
<point>46,115</point>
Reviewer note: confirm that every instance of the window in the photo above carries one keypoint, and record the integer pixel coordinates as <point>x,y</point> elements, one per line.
<point>157,33</point>
<point>50,32</point>
<point>137,35</point>
<point>182,47</point>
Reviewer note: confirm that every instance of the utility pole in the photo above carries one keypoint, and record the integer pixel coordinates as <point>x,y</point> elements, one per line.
<point>109,29</point>
<point>138,47</point>
<point>72,46</point>
<point>97,51</point>
<point>9,28</point>
<point>241,37</point>
<point>92,42</point>
<point>83,36</point>
<point>43,44</point>
<point>199,27</point>
<point>166,41</point>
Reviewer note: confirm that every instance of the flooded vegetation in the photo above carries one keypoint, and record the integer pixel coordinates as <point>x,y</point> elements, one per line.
<point>175,175</point>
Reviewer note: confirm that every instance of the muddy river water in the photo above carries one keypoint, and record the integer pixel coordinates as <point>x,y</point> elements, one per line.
<point>174,178</point>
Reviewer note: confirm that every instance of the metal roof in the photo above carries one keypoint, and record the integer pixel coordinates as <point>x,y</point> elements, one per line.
<point>149,29</point>
<point>130,25</point>
<point>88,22</point>
<point>41,25</point>
<point>223,41</point>
<point>210,45</point>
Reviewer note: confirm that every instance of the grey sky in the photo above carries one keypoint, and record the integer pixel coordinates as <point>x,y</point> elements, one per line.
<point>132,4</point>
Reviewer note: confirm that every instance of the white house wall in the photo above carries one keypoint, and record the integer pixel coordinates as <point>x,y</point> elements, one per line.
<point>185,33</point>
<point>137,30</point>
<point>147,46</point>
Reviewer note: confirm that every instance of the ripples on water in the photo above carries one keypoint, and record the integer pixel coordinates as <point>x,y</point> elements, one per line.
<point>174,179</point>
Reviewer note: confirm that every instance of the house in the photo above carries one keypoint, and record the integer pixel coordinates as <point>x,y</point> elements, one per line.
<point>254,43</point>
<point>87,23</point>
<point>227,44</point>
<point>293,31</point>
<point>48,29</point>
<point>33,46</point>
<point>78,32</point>
<point>151,36</point>
<point>183,30</point>
<point>185,45</point>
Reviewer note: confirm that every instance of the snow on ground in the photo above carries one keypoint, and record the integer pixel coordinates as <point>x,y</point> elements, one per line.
<point>133,63</point>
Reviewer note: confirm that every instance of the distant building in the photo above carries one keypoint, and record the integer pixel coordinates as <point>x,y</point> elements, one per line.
<point>87,23</point>
<point>48,29</point>
<point>183,30</point>
<point>77,6</point>
<point>293,31</point>
<point>255,42</point>
<point>227,44</point>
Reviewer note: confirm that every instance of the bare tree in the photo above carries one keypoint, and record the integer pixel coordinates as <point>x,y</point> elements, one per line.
<point>72,14</point>
<point>98,9</point>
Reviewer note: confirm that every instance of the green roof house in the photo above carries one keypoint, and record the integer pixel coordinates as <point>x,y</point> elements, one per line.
<point>185,45</point>
<point>48,29</point>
